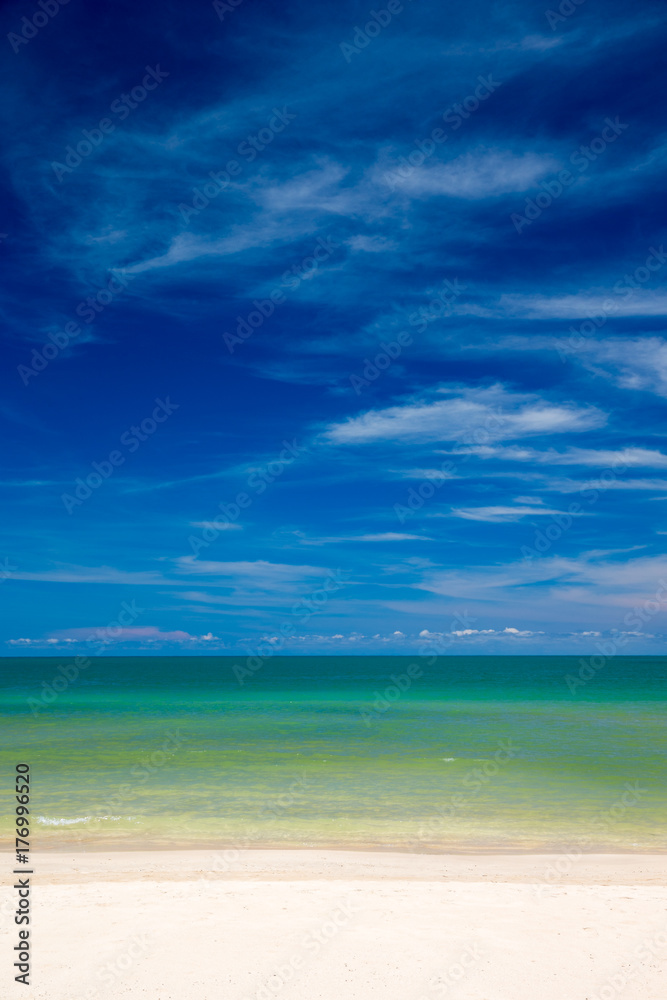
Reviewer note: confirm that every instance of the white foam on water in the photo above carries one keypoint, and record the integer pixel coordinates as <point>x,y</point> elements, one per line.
<point>49,821</point>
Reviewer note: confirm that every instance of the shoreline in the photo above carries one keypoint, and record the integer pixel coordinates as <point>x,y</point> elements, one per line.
<point>229,863</point>
<point>127,845</point>
<point>297,924</point>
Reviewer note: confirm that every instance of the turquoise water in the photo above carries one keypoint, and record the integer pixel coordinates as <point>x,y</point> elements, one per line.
<point>476,753</point>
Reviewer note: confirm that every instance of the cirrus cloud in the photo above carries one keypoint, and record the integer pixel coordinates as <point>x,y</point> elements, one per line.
<point>450,414</point>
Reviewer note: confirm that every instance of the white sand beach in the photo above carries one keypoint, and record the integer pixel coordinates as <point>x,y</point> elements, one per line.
<point>341,925</point>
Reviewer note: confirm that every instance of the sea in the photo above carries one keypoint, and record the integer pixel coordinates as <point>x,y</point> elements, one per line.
<point>418,754</point>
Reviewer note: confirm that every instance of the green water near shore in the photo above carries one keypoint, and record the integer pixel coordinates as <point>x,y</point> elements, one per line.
<point>476,753</point>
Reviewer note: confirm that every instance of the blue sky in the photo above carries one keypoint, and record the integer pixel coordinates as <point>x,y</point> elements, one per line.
<point>332,332</point>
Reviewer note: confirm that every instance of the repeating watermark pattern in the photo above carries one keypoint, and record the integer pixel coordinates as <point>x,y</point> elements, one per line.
<point>434,644</point>
<point>441,984</point>
<point>454,117</point>
<point>302,611</point>
<point>339,917</point>
<point>634,619</point>
<point>601,823</point>
<point>312,944</point>
<point>472,783</point>
<point>458,113</point>
<point>30,27</point>
<point>93,138</point>
<point>258,481</point>
<point>649,949</point>
<point>88,310</point>
<point>248,148</point>
<point>78,829</point>
<point>377,22</point>
<point>6,570</point>
<point>374,367</point>
<point>566,9</point>
<point>581,159</point>
<point>417,496</point>
<point>224,7</point>
<point>625,287</point>
<point>563,521</point>
<point>145,768</point>
<point>429,650</point>
<point>291,279</point>
<point>116,968</point>
<point>275,807</point>
<point>131,439</point>
<point>223,861</point>
<point>69,673</point>
<point>400,683</point>
<point>438,307</point>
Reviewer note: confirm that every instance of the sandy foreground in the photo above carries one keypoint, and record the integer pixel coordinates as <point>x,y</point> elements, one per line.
<point>340,925</point>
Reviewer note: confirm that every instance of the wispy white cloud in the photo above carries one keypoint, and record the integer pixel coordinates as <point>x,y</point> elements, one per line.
<point>620,483</point>
<point>371,244</point>
<point>185,248</point>
<point>93,574</point>
<point>217,526</point>
<point>599,457</point>
<point>638,363</point>
<point>589,579</point>
<point>482,173</point>
<point>438,474</point>
<point>383,536</point>
<point>501,515</point>
<point>601,303</point>
<point>255,576</point>
<point>316,190</point>
<point>457,412</point>
<point>258,568</point>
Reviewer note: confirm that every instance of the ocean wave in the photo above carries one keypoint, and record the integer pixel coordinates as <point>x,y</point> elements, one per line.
<point>50,821</point>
